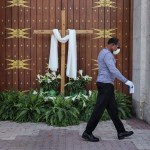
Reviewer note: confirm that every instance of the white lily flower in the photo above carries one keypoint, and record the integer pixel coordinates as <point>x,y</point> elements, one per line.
<point>77,78</point>
<point>67,97</point>
<point>66,84</point>
<point>74,98</point>
<point>90,93</point>
<point>84,105</point>
<point>45,99</point>
<point>86,77</point>
<point>53,78</point>
<point>59,76</point>
<point>90,78</point>
<point>40,81</point>
<point>49,98</point>
<point>49,81</point>
<point>78,96</point>
<point>48,74</point>
<point>35,92</point>
<point>80,72</point>
<point>86,97</point>
<point>41,94</point>
<point>52,98</point>
<point>39,77</point>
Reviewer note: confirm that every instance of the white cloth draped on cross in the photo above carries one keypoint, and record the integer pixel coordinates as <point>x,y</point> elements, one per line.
<point>71,70</point>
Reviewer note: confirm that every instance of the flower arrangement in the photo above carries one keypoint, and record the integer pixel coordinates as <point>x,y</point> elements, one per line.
<point>49,81</point>
<point>79,85</point>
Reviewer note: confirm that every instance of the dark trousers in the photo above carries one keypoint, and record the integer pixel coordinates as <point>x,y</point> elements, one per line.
<point>105,99</point>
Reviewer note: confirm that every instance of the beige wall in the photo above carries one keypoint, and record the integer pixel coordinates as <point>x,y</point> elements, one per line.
<point>141,59</point>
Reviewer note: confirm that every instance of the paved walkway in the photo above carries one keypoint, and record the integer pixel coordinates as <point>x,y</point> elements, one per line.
<point>31,136</point>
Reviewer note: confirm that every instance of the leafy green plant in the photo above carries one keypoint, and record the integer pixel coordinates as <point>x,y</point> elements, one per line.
<point>8,100</point>
<point>62,113</point>
<point>55,110</point>
<point>87,111</point>
<point>48,93</point>
<point>30,108</point>
<point>49,82</point>
<point>124,105</point>
<point>74,87</point>
<point>78,100</point>
<point>105,116</point>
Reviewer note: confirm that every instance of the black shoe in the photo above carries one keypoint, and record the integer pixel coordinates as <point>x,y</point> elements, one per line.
<point>89,137</point>
<point>122,135</point>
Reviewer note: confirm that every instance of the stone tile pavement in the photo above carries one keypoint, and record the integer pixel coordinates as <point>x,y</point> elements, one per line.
<point>32,136</point>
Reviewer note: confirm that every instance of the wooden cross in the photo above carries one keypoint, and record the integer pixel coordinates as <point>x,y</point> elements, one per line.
<point>63,49</point>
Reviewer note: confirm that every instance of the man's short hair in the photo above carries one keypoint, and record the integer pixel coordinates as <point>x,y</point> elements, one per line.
<point>113,41</point>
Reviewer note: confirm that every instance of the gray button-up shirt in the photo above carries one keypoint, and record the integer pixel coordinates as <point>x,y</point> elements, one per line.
<point>107,71</point>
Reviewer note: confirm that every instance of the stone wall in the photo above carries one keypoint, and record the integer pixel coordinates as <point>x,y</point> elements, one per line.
<point>141,59</point>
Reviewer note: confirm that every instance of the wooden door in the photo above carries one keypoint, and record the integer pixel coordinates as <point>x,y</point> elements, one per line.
<point>24,54</point>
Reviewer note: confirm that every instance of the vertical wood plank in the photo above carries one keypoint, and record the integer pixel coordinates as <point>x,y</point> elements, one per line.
<point>2,46</point>
<point>58,14</point>
<point>119,35</point>
<point>107,21</point>
<point>52,14</point>
<point>70,19</point>
<point>88,52</point>
<point>46,38</point>
<point>33,44</point>
<point>82,58</point>
<point>21,48</point>
<point>8,48</point>
<point>27,47</point>
<point>39,38</point>
<point>126,42</point>
<point>15,43</point>
<point>95,46</point>
<point>101,42</point>
<point>114,25</point>
<point>101,25</point>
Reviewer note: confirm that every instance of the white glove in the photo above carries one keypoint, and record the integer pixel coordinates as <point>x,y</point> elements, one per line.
<point>131,85</point>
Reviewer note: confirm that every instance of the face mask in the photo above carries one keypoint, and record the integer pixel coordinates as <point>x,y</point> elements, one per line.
<point>116,52</point>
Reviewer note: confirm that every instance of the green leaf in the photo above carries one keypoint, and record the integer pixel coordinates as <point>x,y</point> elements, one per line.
<point>22,114</point>
<point>38,111</point>
<point>60,115</point>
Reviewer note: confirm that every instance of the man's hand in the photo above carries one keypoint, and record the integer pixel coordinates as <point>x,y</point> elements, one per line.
<point>131,85</point>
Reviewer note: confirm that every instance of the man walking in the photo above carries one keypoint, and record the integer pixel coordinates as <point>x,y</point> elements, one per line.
<point>107,73</point>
